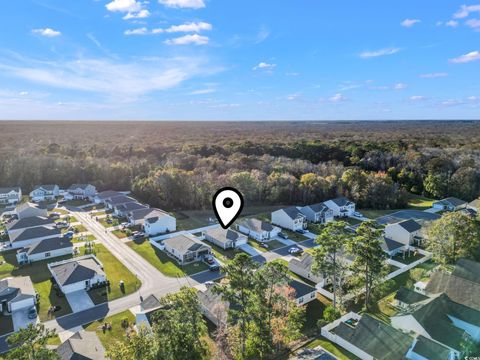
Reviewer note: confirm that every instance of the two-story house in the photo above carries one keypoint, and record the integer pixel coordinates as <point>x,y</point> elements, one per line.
<point>10,195</point>
<point>341,207</point>
<point>317,213</point>
<point>290,218</point>
<point>81,191</point>
<point>44,193</point>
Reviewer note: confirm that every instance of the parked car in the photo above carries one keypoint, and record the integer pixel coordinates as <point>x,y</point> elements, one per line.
<point>282,235</point>
<point>63,201</point>
<point>209,260</point>
<point>54,215</point>
<point>214,267</point>
<point>300,231</point>
<point>264,245</point>
<point>109,221</point>
<point>125,225</point>
<point>32,313</point>
<point>357,214</point>
<point>295,250</point>
<point>138,235</point>
<point>61,224</point>
<point>68,234</point>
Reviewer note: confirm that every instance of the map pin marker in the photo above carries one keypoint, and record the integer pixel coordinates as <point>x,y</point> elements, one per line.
<point>227,205</point>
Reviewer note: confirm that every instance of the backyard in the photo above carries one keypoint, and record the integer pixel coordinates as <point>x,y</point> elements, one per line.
<point>164,263</point>
<point>272,245</point>
<point>117,333</point>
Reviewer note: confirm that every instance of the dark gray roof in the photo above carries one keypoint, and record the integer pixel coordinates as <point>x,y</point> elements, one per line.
<point>131,206</point>
<point>223,235</point>
<point>256,225</point>
<point>83,345</point>
<point>184,243</point>
<point>78,186</point>
<point>381,341</point>
<point>410,225</point>
<point>301,289</point>
<point>141,213</point>
<point>390,245</point>
<point>51,244</point>
<point>408,296</point>
<point>119,200</point>
<point>151,302</point>
<point>34,233</point>
<point>305,262</point>
<point>320,207</point>
<point>453,201</point>
<point>29,222</point>
<point>430,349</point>
<point>468,270</point>
<point>341,201</point>
<point>398,216</point>
<point>76,270</point>
<point>293,212</point>
<point>45,187</point>
<point>18,288</point>
<point>6,190</point>
<point>108,194</point>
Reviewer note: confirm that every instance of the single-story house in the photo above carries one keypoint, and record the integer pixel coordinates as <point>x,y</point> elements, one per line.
<point>186,248</point>
<point>158,222</point>
<point>115,201</point>
<point>450,204</point>
<point>258,229</point>
<point>28,209</point>
<point>368,338</point>
<point>26,223</point>
<point>83,345</point>
<point>44,249</point>
<point>341,207</point>
<point>317,213</point>
<point>406,232</point>
<point>212,306</point>
<point>392,247</point>
<point>81,191</point>
<point>225,238</point>
<point>303,293</point>
<point>442,320</point>
<point>10,195</point>
<point>407,299</point>
<point>81,273</point>
<point>143,318</point>
<point>124,209</point>
<point>424,348</point>
<point>102,196</point>
<point>44,193</point>
<point>16,293</point>
<point>289,218</point>
<point>303,268</point>
<point>28,236</point>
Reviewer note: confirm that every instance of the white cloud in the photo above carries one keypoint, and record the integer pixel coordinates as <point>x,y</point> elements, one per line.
<point>380,52</point>
<point>48,32</point>
<point>451,23</point>
<point>433,75</point>
<point>473,98</point>
<point>188,39</point>
<point>142,14</point>
<point>337,98</point>
<point>128,6</point>
<point>451,102</point>
<point>473,24</point>
<point>410,22</point>
<point>471,56</point>
<point>192,4</point>
<point>293,97</point>
<point>465,11</point>
<point>400,86</point>
<point>139,31</point>
<point>265,66</point>
<point>417,98</point>
<point>190,27</point>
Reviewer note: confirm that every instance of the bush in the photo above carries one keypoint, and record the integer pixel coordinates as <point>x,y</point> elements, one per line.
<point>331,314</point>
<point>418,274</point>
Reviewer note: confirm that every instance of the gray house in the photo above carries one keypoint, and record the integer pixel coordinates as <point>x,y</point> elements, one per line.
<point>83,345</point>
<point>225,238</point>
<point>317,213</point>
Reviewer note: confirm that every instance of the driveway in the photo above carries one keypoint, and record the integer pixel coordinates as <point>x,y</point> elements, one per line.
<point>79,301</point>
<point>20,319</point>
<point>250,250</point>
<point>286,242</point>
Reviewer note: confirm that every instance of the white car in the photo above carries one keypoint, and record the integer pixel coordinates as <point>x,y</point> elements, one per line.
<point>357,214</point>
<point>294,250</point>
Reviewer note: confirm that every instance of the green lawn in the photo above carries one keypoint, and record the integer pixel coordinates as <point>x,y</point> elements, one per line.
<point>315,228</point>
<point>408,259</point>
<point>76,228</point>
<point>40,276</point>
<point>162,262</point>
<point>83,238</point>
<point>121,234</point>
<point>373,214</point>
<point>60,211</point>
<point>117,333</point>
<point>336,350</point>
<point>295,236</point>
<point>420,202</point>
<point>115,272</point>
<point>115,222</point>
<point>54,340</point>
<point>292,274</point>
<point>187,220</point>
<point>94,207</point>
<point>272,245</point>
<point>222,254</point>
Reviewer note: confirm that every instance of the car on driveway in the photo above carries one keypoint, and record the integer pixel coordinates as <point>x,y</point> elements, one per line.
<point>68,234</point>
<point>125,225</point>
<point>357,214</point>
<point>294,250</point>
<point>61,224</point>
<point>282,235</point>
<point>32,313</point>
<point>300,231</point>
<point>138,235</point>
<point>264,245</point>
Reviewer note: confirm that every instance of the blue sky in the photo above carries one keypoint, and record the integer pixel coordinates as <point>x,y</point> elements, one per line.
<point>240,60</point>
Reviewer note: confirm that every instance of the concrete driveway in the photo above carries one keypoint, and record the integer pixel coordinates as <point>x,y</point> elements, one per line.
<point>20,319</point>
<point>250,250</point>
<point>79,301</point>
<point>286,242</point>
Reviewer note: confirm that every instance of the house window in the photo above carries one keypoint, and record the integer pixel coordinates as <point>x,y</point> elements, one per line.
<point>47,254</point>
<point>300,300</point>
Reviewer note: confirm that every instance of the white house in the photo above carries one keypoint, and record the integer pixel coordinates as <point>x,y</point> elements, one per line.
<point>28,236</point>
<point>392,247</point>
<point>450,204</point>
<point>303,293</point>
<point>159,222</point>
<point>225,238</point>
<point>115,201</point>
<point>81,273</point>
<point>303,268</point>
<point>45,249</point>
<point>17,293</point>
<point>317,213</point>
<point>44,193</point>
<point>10,195</point>
<point>186,248</point>
<point>18,226</point>
<point>28,209</point>
<point>81,191</point>
<point>102,196</point>
<point>406,232</point>
<point>341,207</point>
<point>258,229</point>
<point>289,218</point>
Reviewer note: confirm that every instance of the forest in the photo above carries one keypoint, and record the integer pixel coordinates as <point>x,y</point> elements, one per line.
<point>179,165</point>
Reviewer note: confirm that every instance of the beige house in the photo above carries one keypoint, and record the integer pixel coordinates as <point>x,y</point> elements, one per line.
<point>27,210</point>
<point>405,232</point>
<point>303,268</point>
<point>186,248</point>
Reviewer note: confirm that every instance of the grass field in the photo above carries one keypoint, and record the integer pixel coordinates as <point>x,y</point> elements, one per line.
<point>118,333</point>
<point>295,236</point>
<point>60,211</point>
<point>115,222</point>
<point>222,254</point>
<point>336,350</point>
<point>83,238</point>
<point>121,234</point>
<point>162,262</point>
<point>76,202</point>
<point>419,202</point>
<point>373,214</point>
<point>115,272</point>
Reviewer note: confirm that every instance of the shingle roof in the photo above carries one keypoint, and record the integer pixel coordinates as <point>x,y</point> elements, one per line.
<point>223,235</point>
<point>305,262</point>
<point>119,200</point>
<point>16,288</point>
<point>51,244</point>
<point>145,213</point>
<point>390,245</point>
<point>108,194</point>
<point>417,215</point>
<point>376,338</point>
<point>184,243</point>
<point>320,207</point>
<point>341,201</point>
<point>76,270</point>
<point>408,296</point>
<point>6,190</point>
<point>78,186</point>
<point>34,233</point>
<point>131,206</point>
<point>454,201</point>
<point>468,270</point>
<point>475,203</point>
<point>293,212</point>
<point>153,216</point>
<point>410,225</point>
<point>50,187</point>
<point>82,345</point>
<point>256,225</point>
<point>27,205</point>
<point>301,289</point>
<point>430,349</point>
<point>151,302</point>
<point>29,222</point>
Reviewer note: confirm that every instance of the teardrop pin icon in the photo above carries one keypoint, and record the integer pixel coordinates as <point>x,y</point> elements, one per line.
<point>227,205</point>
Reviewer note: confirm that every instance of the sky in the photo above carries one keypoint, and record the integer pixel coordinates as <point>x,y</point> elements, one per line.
<point>240,60</point>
